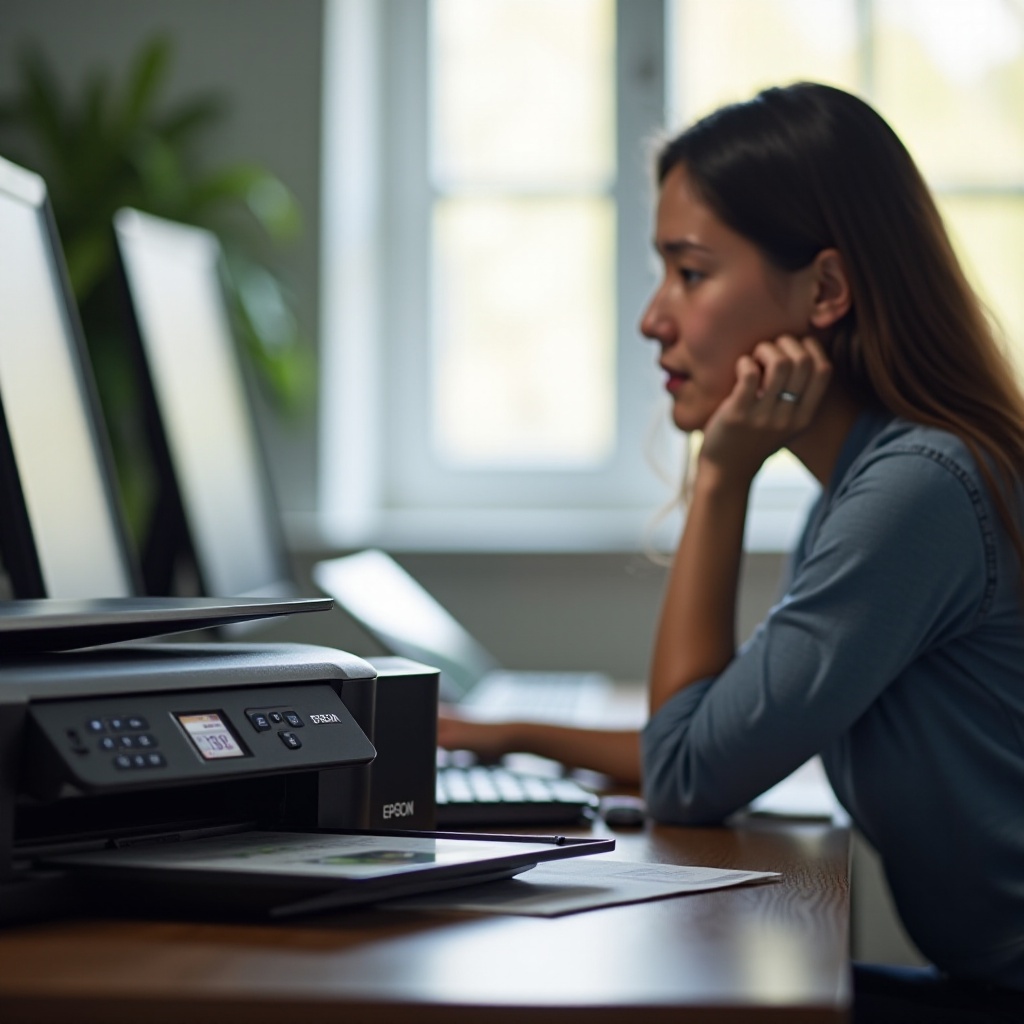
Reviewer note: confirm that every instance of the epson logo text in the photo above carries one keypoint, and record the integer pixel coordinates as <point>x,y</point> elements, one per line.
<point>324,719</point>
<point>399,809</point>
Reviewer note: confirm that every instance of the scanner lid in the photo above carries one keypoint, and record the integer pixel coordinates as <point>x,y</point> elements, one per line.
<point>46,624</point>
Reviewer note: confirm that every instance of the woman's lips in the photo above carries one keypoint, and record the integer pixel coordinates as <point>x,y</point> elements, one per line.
<point>675,380</point>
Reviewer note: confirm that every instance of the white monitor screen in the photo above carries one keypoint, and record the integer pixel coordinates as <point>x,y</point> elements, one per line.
<point>185,333</point>
<point>50,415</point>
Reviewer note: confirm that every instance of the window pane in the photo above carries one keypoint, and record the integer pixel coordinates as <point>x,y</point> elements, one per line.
<point>989,236</point>
<point>950,78</point>
<point>727,50</point>
<point>524,360</point>
<point>524,91</point>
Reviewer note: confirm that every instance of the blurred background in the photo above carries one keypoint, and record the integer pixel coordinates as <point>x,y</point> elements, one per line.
<point>439,216</point>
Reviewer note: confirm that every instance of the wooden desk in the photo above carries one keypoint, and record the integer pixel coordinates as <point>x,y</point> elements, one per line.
<point>773,952</point>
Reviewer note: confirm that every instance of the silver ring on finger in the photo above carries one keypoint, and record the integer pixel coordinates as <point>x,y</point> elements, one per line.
<point>788,396</point>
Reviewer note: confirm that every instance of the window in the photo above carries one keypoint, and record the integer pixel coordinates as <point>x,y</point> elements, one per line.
<point>523,233</point>
<point>487,254</point>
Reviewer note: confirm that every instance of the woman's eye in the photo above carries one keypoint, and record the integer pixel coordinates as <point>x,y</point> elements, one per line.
<point>690,276</point>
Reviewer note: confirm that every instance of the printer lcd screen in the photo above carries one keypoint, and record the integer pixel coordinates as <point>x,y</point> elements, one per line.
<point>210,735</point>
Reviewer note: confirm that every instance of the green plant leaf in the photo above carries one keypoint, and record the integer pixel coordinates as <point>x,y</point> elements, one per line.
<point>275,207</point>
<point>268,332</point>
<point>43,106</point>
<point>229,183</point>
<point>94,108</point>
<point>145,80</point>
<point>162,181</point>
<point>263,299</point>
<point>265,196</point>
<point>90,258</point>
<point>178,127</point>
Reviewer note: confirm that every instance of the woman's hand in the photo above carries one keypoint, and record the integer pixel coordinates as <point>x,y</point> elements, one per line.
<point>778,390</point>
<point>489,740</point>
<point>613,752</point>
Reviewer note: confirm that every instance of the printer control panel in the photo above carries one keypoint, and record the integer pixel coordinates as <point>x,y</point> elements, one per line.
<point>146,739</point>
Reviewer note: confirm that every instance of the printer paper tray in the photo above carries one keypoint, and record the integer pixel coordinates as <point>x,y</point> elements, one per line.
<point>275,874</point>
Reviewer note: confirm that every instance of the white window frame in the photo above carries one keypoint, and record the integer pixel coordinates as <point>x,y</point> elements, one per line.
<point>379,483</point>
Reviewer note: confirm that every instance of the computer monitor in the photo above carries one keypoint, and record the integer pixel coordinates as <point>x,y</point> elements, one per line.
<point>215,486</point>
<point>62,530</point>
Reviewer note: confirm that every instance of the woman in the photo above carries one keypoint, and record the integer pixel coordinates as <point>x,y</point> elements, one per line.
<point>811,300</point>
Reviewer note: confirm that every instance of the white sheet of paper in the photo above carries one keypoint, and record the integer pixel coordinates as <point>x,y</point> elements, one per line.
<point>549,890</point>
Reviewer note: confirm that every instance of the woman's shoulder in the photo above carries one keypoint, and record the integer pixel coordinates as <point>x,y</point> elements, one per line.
<point>914,454</point>
<point>918,483</point>
<point>905,496</point>
<point>898,477</point>
<point>896,434</point>
<point>916,494</point>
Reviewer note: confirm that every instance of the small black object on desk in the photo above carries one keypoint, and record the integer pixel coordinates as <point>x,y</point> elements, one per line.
<point>621,811</point>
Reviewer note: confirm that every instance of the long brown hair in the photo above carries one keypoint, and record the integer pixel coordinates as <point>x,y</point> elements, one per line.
<point>806,167</point>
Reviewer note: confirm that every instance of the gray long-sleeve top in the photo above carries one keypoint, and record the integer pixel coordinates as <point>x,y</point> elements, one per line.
<point>897,653</point>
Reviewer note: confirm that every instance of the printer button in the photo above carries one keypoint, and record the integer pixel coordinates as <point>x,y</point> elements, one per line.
<point>127,741</point>
<point>145,739</point>
<point>122,761</point>
<point>139,761</point>
<point>293,720</point>
<point>136,723</point>
<point>108,743</point>
<point>95,725</point>
<point>290,740</point>
<point>259,720</point>
<point>275,717</point>
<point>154,759</point>
<point>117,724</point>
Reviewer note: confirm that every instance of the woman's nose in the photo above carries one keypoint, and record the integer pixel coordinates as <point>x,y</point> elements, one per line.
<point>653,323</point>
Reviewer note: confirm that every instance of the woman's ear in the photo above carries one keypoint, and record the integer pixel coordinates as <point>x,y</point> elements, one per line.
<point>832,298</point>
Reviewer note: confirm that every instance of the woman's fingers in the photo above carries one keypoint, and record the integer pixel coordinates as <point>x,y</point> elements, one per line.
<point>778,390</point>
<point>795,376</point>
<point>749,378</point>
<point>819,373</point>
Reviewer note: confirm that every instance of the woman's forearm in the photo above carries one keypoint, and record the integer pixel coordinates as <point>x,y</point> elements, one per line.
<point>696,635</point>
<point>612,752</point>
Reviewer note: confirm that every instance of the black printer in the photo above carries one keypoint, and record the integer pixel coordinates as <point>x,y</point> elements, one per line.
<point>117,746</point>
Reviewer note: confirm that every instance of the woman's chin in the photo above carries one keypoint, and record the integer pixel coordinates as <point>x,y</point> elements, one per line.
<point>688,419</point>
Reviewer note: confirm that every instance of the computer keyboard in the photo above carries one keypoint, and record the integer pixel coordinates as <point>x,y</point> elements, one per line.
<point>496,795</point>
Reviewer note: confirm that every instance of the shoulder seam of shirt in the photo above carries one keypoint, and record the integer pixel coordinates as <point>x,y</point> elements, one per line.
<point>967,481</point>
